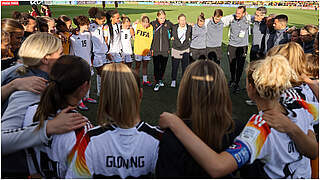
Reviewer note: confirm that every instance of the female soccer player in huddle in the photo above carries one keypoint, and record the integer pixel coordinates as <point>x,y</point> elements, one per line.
<point>99,48</point>
<point>127,33</point>
<point>203,84</point>
<point>112,35</point>
<point>69,82</point>
<point>81,46</point>
<point>122,146</point>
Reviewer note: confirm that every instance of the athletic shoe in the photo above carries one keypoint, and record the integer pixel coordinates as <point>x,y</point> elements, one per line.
<point>82,107</point>
<point>173,84</point>
<point>90,100</point>
<point>161,83</point>
<point>236,89</point>
<point>156,87</point>
<point>231,84</point>
<point>251,103</point>
<point>147,83</point>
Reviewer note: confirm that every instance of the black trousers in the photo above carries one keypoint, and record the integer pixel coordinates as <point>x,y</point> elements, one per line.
<point>237,58</point>
<point>159,65</point>
<point>175,65</point>
<point>214,54</point>
<point>255,53</point>
<point>197,54</point>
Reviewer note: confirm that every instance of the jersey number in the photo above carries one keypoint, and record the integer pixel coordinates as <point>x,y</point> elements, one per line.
<point>48,167</point>
<point>99,31</point>
<point>84,43</point>
<point>126,36</point>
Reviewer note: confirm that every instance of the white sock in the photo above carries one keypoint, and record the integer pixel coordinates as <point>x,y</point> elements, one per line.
<point>98,85</point>
<point>145,78</point>
<point>87,95</point>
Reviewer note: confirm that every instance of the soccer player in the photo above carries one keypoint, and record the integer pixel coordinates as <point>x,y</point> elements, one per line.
<point>69,82</point>
<point>81,46</point>
<point>202,86</point>
<point>181,34</point>
<point>99,46</point>
<point>28,22</point>
<point>127,33</point>
<point>160,47</point>
<point>122,146</point>
<point>142,44</point>
<point>112,35</point>
<point>63,25</point>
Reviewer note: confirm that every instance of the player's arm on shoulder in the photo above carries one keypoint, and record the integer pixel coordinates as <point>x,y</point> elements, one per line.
<point>227,20</point>
<point>216,164</point>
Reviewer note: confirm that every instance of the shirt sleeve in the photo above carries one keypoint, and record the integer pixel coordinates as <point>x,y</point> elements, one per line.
<point>17,139</point>
<point>206,22</point>
<point>227,20</point>
<point>134,26</point>
<point>254,135</point>
<point>72,43</point>
<point>61,148</point>
<point>19,102</point>
<point>106,32</point>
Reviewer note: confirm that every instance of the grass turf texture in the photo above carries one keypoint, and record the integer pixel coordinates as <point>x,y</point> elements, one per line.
<point>154,103</point>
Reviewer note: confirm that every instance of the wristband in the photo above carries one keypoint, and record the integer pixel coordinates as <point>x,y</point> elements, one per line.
<point>240,152</point>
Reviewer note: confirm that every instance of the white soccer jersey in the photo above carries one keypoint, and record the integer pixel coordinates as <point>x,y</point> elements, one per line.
<point>81,46</point>
<point>113,152</point>
<point>52,161</point>
<point>115,43</point>
<point>126,41</point>
<point>304,95</point>
<point>97,37</point>
<point>276,149</point>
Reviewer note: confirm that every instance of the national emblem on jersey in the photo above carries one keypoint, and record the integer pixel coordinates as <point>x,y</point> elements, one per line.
<point>298,98</point>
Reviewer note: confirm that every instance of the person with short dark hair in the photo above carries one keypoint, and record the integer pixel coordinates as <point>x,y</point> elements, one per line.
<point>279,35</point>
<point>258,31</point>
<point>238,45</point>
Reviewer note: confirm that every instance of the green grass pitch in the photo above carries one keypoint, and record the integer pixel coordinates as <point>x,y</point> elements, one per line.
<point>154,103</point>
